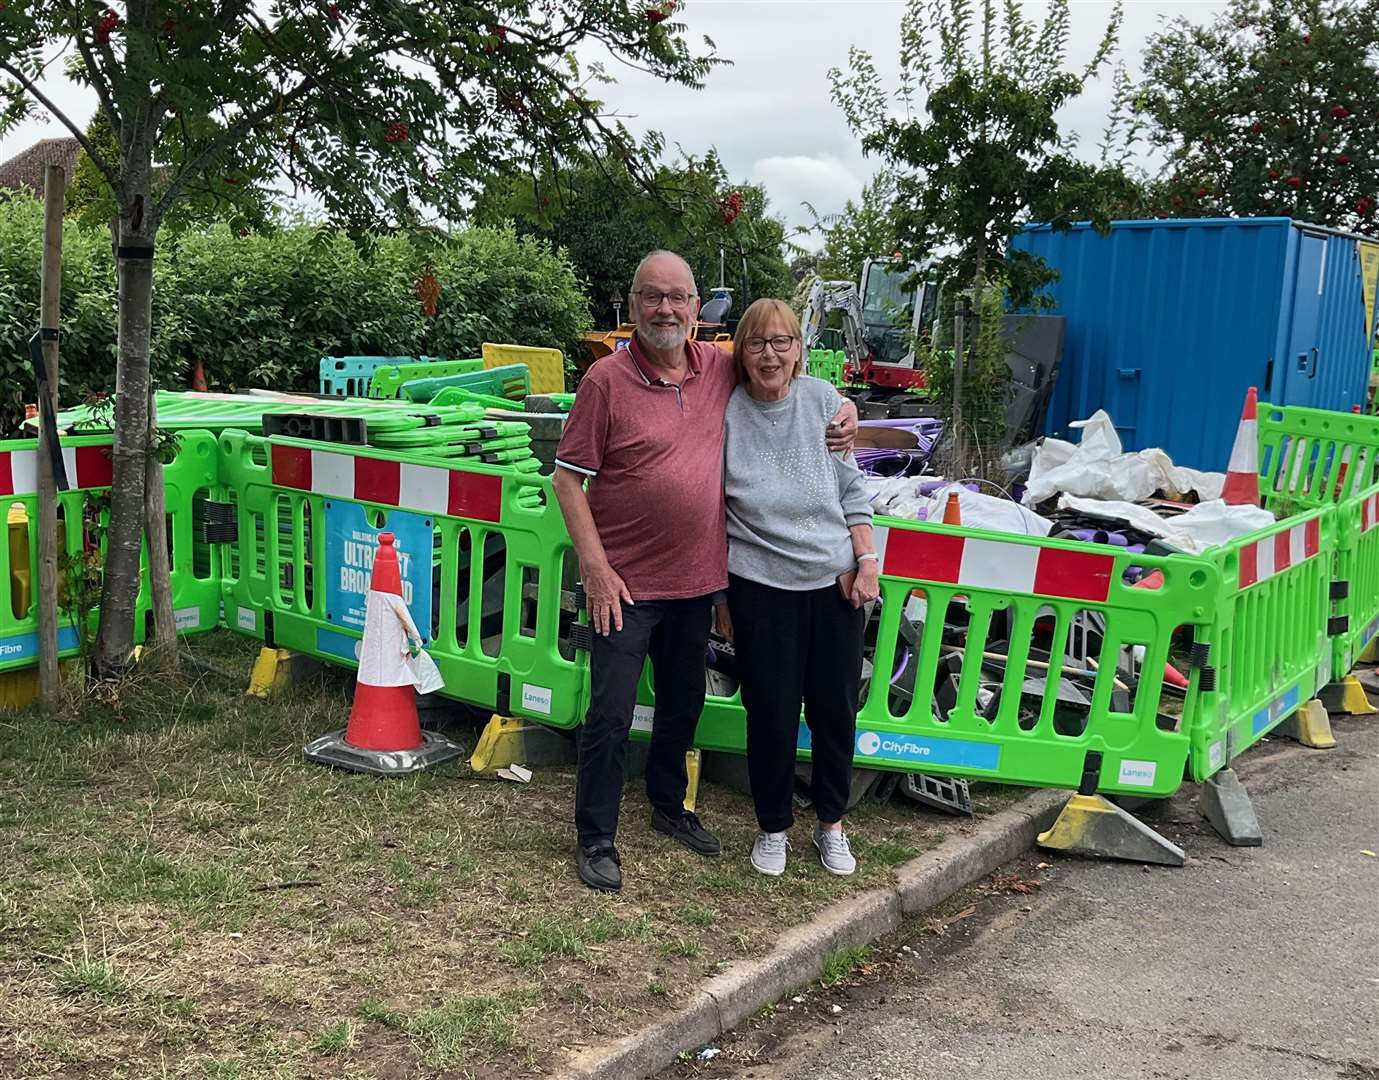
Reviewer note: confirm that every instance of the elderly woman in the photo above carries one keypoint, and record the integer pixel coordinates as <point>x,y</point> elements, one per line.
<point>800,566</point>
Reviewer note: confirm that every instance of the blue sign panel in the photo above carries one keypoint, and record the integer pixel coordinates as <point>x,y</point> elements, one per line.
<point>350,545</point>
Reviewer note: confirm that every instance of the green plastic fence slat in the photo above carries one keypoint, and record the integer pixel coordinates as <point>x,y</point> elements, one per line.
<point>387,381</point>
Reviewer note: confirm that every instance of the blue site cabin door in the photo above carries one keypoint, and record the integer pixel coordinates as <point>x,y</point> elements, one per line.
<point>1301,360</point>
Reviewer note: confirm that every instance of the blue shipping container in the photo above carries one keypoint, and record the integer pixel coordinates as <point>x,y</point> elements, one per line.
<point>1168,323</point>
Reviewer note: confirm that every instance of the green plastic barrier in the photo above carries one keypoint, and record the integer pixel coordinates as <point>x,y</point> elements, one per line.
<point>1355,593</point>
<point>455,395</point>
<point>189,481</point>
<point>826,364</point>
<point>498,622</point>
<point>1312,458</point>
<point>348,376</point>
<point>511,382</point>
<point>1016,594</point>
<point>1267,651</point>
<point>387,381</point>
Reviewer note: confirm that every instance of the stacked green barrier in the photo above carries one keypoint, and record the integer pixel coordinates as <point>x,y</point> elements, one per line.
<point>387,381</point>
<point>195,572</point>
<point>511,382</point>
<point>1313,458</point>
<point>348,376</point>
<point>1266,651</point>
<point>499,612</point>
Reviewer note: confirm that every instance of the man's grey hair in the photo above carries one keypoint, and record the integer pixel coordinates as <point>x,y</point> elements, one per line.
<point>657,254</point>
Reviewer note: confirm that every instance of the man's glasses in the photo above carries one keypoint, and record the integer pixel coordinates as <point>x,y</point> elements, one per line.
<point>651,298</point>
<point>779,342</point>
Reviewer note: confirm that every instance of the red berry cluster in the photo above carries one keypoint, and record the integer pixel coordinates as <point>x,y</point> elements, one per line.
<point>661,12</point>
<point>108,22</point>
<point>1364,204</point>
<point>730,207</point>
<point>429,290</point>
<point>1339,112</point>
<point>497,38</point>
<point>333,10</point>
<point>397,132</point>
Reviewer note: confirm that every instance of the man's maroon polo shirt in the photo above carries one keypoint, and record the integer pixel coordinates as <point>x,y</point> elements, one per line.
<point>653,453</point>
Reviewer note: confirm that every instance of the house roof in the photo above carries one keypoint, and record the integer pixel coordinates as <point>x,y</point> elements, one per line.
<point>24,171</point>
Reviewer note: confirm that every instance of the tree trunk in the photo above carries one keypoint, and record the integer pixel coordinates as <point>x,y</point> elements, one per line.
<point>162,648</point>
<point>124,535</point>
<point>50,307</point>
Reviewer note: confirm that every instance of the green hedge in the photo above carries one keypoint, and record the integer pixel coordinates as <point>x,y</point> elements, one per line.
<point>262,309</point>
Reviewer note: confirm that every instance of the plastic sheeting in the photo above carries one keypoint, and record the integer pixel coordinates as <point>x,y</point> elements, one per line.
<point>1204,526</point>
<point>1098,468</point>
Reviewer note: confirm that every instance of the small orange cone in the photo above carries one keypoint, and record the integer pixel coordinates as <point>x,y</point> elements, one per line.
<point>199,377</point>
<point>952,510</point>
<point>384,734</point>
<point>1242,474</point>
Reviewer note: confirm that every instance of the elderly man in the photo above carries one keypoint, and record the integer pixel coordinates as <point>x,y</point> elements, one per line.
<point>646,433</point>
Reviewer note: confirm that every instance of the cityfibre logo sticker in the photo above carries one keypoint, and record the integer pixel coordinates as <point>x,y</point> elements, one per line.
<point>869,742</point>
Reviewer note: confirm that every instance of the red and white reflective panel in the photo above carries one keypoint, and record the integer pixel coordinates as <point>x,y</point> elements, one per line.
<point>432,490</point>
<point>1274,554</point>
<point>87,467</point>
<point>1369,513</point>
<point>995,564</point>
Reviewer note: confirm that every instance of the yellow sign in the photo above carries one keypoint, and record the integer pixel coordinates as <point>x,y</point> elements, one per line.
<point>1369,270</point>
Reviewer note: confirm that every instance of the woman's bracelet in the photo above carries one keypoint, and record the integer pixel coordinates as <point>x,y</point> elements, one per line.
<point>866,555</point>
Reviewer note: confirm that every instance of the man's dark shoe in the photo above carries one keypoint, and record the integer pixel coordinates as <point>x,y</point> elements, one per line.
<point>687,829</point>
<point>599,867</point>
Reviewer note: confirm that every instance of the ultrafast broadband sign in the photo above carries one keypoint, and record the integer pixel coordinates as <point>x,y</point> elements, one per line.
<point>350,545</point>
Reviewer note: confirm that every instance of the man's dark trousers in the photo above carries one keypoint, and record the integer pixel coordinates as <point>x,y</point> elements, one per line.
<point>675,635</point>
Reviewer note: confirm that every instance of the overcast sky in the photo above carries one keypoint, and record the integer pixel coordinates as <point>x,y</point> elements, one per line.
<point>769,113</point>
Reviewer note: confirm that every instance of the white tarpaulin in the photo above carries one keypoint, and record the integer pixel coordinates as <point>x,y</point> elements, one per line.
<point>1098,468</point>
<point>1204,526</point>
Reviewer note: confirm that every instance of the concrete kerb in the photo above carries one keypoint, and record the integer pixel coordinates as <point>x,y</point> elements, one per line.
<point>799,956</point>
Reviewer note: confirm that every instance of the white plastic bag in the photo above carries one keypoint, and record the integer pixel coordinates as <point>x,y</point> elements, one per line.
<point>426,677</point>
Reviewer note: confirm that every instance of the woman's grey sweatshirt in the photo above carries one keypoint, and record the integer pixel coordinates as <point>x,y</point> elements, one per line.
<point>790,502</point>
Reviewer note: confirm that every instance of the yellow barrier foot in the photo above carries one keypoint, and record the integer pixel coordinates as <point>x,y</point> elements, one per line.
<point>1347,696</point>
<point>513,740</point>
<point>277,669</point>
<point>1226,804</point>
<point>1310,725</point>
<point>1093,825</point>
<point>270,672</point>
<point>694,761</point>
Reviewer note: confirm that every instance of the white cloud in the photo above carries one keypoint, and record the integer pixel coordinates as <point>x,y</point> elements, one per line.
<point>822,180</point>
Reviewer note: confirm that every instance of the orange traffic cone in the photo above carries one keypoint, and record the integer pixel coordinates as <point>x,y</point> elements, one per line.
<point>952,510</point>
<point>199,377</point>
<point>1242,474</point>
<point>384,735</point>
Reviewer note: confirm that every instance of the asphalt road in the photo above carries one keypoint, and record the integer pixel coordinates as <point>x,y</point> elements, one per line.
<point>1250,963</point>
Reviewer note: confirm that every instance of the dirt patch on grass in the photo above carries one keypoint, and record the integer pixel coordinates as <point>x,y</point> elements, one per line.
<point>182,895</point>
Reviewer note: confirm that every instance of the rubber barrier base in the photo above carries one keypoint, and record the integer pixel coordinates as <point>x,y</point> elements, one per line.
<point>948,794</point>
<point>1225,803</point>
<point>1310,725</point>
<point>1347,696</point>
<point>1093,825</point>
<point>333,750</point>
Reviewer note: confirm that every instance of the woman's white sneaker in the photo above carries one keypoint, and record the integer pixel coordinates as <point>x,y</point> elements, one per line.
<point>834,853</point>
<point>768,853</point>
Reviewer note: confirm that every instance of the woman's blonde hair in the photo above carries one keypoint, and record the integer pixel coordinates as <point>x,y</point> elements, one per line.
<point>761,314</point>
